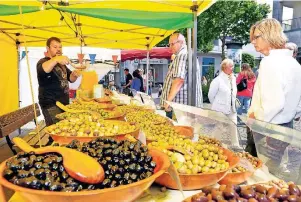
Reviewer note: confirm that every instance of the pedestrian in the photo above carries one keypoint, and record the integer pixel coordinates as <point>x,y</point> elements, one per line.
<point>244,96</point>
<point>136,82</point>
<point>222,96</point>
<point>128,82</point>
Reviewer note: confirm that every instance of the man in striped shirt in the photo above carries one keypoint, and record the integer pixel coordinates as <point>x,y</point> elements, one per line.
<point>175,83</point>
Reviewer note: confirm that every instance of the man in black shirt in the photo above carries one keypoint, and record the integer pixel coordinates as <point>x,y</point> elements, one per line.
<point>128,82</point>
<point>53,76</point>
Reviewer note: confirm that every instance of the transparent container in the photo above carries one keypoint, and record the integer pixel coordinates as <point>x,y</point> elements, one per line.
<point>278,147</point>
<point>209,123</point>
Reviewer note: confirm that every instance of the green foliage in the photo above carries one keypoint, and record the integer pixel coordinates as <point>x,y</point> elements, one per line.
<point>248,58</point>
<point>230,18</point>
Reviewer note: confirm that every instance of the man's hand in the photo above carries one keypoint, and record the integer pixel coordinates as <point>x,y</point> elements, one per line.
<point>75,73</point>
<point>63,60</point>
<point>167,108</point>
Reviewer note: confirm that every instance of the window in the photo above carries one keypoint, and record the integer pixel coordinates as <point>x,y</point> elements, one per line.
<point>207,62</point>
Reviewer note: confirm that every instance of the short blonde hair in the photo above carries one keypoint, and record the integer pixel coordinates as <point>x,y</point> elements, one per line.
<point>225,63</point>
<point>271,31</point>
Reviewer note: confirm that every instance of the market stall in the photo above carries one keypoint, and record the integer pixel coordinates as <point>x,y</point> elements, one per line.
<point>199,155</point>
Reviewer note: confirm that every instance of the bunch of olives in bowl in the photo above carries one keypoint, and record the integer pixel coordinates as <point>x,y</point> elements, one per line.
<point>102,114</point>
<point>209,140</point>
<point>145,118</point>
<point>67,130</point>
<point>129,167</point>
<point>132,108</point>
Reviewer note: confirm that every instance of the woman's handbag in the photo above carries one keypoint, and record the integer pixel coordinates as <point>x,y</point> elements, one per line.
<point>242,85</point>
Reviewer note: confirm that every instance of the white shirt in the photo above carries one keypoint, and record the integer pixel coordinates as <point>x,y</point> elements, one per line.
<point>277,91</point>
<point>220,93</point>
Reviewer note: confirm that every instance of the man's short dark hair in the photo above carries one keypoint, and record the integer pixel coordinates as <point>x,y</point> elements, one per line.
<point>52,39</point>
<point>126,69</point>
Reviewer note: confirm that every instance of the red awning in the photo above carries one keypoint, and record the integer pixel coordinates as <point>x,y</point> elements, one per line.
<point>141,54</point>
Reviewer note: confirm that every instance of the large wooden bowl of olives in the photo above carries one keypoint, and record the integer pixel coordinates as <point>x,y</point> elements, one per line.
<point>240,173</point>
<point>42,178</point>
<point>66,131</point>
<point>199,180</point>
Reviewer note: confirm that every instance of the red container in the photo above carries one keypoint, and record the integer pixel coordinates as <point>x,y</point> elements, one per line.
<point>72,93</point>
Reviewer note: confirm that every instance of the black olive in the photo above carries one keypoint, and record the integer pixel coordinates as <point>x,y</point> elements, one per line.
<point>148,158</point>
<point>36,184</point>
<point>68,189</point>
<point>8,174</point>
<point>138,168</point>
<point>107,172</point>
<point>99,155</point>
<point>109,159</point>
<point>40,174</point>
<point>129,181</point>
<point>106,182</point>
<point>132,145</point>
<point>61,168</point>
<point>146,168</point>
<point>126,176</point>
<point>117,177</point>
<point>22,154</point>
<point>113,184</point>
<point>142,176</point>
<point>141,159</point>
<point>114,146</point>
<point>59,159</point>
<point>45,166</point>
<point>15,165</point>
<point>38,165</point>
<point>132,167</point>
<point>64,175</point>
<point>106,146</point>
<point>85,144</point>
<point>15,180</point>
<point>133,176</point>
<point>109,166</point>
<point>121,170</point>
<point>127,153</point>
<point>127,161</point>
<point>114,169</point>
<point>84,149</point>
<point>23,159</point>
<point>153,164</point>
<point>23,173</point>
<point>79,188</point>
<point>56,186</point>
<point>103,162</point>
<point>99,151</point>
<point>120,182</point>
<point>39,158</point>
<point>91,187</point>
<point>126,167</point>
<point>121,162</point>
<point>133,157</point>
<point>144,149</point>
<point>55,166</point>
<point>24,182</point>
<point>33,158</point>
<point>116,159</point>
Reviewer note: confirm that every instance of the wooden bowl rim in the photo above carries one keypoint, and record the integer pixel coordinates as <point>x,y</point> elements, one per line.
<point>7,184</point>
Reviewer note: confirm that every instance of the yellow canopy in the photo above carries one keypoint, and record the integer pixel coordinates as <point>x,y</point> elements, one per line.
<point>108,24</point>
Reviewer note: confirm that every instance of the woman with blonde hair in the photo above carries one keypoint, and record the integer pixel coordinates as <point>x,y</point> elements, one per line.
<point>222,95</point>
<point>244,95</point>
<point>277,92</point>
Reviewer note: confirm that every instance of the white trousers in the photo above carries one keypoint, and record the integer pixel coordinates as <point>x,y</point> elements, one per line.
<point>233,129</point>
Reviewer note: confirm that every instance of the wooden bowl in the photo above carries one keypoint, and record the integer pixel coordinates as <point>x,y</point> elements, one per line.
<point>238,178</point>
<point>198,181</point>
<point>67,139</point>
<point>186,131</point>
<point>122,193</point>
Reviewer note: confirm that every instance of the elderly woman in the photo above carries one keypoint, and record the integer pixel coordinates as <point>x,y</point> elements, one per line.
<point>222,95</point>
<point>277,92</point>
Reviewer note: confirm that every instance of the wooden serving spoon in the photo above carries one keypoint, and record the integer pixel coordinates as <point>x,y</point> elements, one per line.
<point>77,164</point>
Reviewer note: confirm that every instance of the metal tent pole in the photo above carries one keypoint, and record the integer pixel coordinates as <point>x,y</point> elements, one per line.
<point>194,54</point>
<point>189,66</point>
<point>147,69</point>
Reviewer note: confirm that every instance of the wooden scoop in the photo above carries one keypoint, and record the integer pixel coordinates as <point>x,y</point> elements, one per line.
<point>77,164</point>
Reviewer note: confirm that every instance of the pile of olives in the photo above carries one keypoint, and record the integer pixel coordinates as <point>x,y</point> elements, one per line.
<point>162,132</point>
<point>123,162</point>
<point>130,108</point>
<point>209,140</point>
<point>92,106</point>
<point>253,160</point>
<point>88,116</point>
<point>87,128</point>
<point>254,193</point>
<point>145,118</point>
<point>193,158</point>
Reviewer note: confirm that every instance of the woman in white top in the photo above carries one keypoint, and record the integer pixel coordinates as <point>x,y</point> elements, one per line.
<point>277,92</point>
<point>222,95</point>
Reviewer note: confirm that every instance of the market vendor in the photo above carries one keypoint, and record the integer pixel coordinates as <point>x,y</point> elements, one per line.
<point>53,76</point>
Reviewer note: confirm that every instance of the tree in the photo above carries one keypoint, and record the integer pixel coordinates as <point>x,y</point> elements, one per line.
<point>230,19</point>
<point>248,58</point>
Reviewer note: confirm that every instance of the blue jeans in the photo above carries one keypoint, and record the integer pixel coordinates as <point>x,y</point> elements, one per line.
<point>245,103</point>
